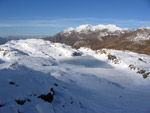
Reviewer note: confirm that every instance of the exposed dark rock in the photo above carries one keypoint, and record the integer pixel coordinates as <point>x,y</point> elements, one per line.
<point>103,51</point>
<point>141,60</point>
<point>45,65</point>
<point>55,84</point>
<point>52,90</point>
<point>1,105</point>
<point>4,53</point>
<point>20,102</point>
<point>11,82</point>
<point>111,57</point>
<point>132,67</point>
<point>48,97</point>
<point>141,71</point>
<point>28,100</point>
<point>76,54</point>
<point>146,75</point>
<point>71,102</point>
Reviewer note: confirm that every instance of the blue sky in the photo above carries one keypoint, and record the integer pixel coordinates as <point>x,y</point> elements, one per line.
<point>47,17</point>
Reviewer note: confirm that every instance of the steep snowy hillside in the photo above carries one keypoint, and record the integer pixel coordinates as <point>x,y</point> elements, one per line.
<point>38,76</point>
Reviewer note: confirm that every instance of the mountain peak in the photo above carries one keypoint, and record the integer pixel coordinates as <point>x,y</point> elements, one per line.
<point>142,27</point>
<point>88,27</point>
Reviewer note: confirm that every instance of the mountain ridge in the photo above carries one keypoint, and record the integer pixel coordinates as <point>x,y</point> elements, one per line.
<point>105,36</point>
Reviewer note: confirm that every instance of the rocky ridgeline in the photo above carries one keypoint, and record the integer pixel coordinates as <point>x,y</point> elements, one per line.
<point>105,36</point>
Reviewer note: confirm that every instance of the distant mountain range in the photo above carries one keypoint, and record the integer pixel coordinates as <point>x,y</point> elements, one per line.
<point>106,36</point>
<point>4,39</point>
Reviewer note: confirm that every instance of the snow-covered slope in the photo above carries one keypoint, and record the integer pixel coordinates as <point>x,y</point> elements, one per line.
<point>38,76</point>
<point>143,35</point>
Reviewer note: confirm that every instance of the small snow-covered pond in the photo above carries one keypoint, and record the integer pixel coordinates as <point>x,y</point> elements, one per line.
<point>87,61</point>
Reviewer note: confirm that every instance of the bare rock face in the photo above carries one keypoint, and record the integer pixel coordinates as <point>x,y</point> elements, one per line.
<point>48,97</point>
<point>109,36</point>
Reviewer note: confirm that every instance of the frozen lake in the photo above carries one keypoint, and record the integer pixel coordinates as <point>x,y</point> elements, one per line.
<point>87,61</point>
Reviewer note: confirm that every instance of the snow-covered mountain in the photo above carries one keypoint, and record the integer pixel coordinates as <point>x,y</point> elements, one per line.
<point>88,27</point>
<point>6,38</point>
<point>38,76</point>
<point>106,36</point>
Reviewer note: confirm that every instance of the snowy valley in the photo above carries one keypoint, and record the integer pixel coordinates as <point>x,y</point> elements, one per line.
<point>38,76</point>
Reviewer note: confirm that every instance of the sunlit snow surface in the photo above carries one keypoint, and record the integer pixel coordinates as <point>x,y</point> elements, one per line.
<point>89,83</point>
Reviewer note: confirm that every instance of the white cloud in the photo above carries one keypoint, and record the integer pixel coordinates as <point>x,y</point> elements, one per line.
<point>72,22</point>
